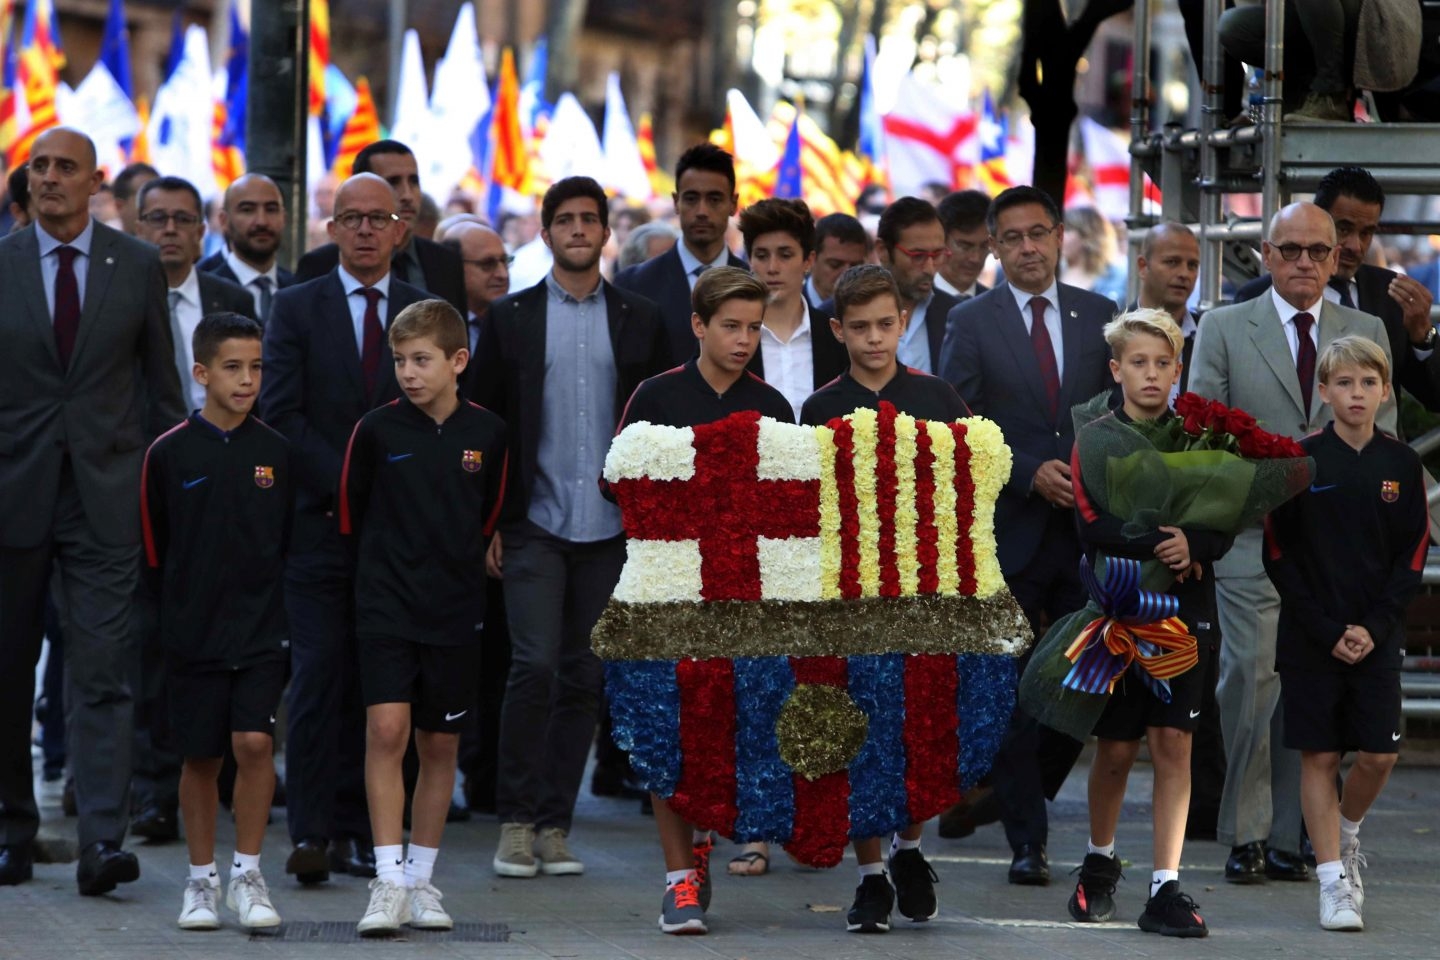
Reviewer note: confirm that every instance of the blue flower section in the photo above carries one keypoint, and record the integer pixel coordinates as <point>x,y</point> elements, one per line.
<point>878,801</point>
<point>764,784</point>
<point>986,700</point>
<point>645,707</point>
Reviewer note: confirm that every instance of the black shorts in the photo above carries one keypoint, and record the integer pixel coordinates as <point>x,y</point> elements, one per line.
<point>1133,708</point>
<point>207,707</point>
<point>1336,711</point>
<point>440,682</point>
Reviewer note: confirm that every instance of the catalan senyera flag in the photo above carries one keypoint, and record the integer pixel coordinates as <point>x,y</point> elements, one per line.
<point>319,53</point>
<point>362,129</point>
<point>661,183</point>
<point>510,162</point>
<point>8,84</point>
<point>829,184</point>
<point>37,75</point>
<point>226,159</point>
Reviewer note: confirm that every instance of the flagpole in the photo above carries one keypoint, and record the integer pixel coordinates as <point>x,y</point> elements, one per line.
<point>279,95</point>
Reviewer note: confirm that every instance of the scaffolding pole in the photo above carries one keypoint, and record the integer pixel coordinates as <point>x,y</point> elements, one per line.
<point>1213,105</point>
<point>1139,132</point>
<point>1271,104</point>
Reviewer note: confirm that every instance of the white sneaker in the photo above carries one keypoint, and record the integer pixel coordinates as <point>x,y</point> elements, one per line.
<point>389,909</point>
<point>1337,907</point>
<point>1351,860</point>
<point>555,857</point>
<point>425,910</point>
<point>197,910</point>
<point>515,857</point>
<point>250,899</point>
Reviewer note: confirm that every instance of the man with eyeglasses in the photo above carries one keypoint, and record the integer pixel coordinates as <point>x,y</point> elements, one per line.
<point>962,213</point>
<point>487,271</point>
<point>1023,354</point>
<point>326,365</point>
<point>1355,201</point>
<point>252,217</point>
<point>910,243</point>
<point>1260,356</point>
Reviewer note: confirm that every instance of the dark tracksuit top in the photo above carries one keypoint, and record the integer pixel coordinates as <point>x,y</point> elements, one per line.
<point>421,499</point>
<point>1351,549</point>
<point>910,391</point>
<point>216,510</point>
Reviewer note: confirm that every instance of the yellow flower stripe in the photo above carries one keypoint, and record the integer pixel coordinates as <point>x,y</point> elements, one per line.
<point>947,527</point>
<point>829,517</point>
<point>907,513</point>
<point>867,431</point>
<point>990,463</point>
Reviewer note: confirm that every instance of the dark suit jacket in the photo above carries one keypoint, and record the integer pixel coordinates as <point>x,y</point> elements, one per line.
<point>662,280</point>
<point>218,295</point>
<point>444,273</point>
<point>1420,377</point>
<point>828,358</point>
<point>313,392</point>
<point>120,391</point>
<point>216,264</point>
<point>988,358</point>
<point>510,377</point>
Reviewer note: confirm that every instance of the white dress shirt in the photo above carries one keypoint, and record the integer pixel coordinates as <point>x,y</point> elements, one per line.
<point>50,260</point>
<point>691,262</point>
<point>1287,321</point>
<point>246,275</point>
<point>1052,320</point>
<point>914,350</point>
<point>790,364</point>
<point>356,302</point>
<point>188,312</point>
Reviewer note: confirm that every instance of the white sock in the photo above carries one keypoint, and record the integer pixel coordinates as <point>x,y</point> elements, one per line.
<point>1159,878</point>
<point>420,865</point>
<point>206,872</point>
<point>390,863</point>
<point>1349,831</point>
<point>1108,850</point>
<point>1329,872</point>
<point>673,877</point>
<point>876,869</point>
<point>243,864</point>
<point>898,842</point>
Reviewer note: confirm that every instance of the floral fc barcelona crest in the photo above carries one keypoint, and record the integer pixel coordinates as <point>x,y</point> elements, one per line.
<point>1389,490</point>
<point>265,477</point>
<point>471,460</point>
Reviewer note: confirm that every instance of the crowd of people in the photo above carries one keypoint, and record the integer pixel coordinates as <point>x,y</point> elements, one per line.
<point>409,551</point>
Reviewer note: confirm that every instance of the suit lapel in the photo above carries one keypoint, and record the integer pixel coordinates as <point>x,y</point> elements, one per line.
<point>98,272</point>
<point>617,317</point>
<point>335,309</point>
<point>1071,341</point>
<point>935,317</point>
<point>25,268</point>
<point>1268,336</point>
<point>1012,330</point>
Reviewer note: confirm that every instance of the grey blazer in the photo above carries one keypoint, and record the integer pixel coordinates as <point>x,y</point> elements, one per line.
<point>120,391</point>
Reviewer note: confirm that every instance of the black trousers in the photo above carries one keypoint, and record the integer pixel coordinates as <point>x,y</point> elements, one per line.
<point>156,777</point>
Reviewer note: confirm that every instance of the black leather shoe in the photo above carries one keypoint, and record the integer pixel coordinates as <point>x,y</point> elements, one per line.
<point>309,861</point>
<point>156,823</point>
<point>349,855</point>
<point>1246,863</point>
<point>1030,868</point>
<point>1283,865</point>
<point>103,867</point>
<point>457,813</point>
<point>16,864</point>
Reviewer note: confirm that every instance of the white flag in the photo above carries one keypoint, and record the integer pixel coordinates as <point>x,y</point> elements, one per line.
<point>571,146</point>
<point>461,97</point>
<point>179,130</point>
<point>624,168</point>
<point>410,122</point>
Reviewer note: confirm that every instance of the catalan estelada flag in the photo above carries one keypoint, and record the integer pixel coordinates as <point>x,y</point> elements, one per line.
<point>37,75</point>
<point>993,173</point>
<point>361,130</point>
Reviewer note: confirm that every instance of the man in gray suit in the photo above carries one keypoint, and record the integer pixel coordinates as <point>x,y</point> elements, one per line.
<point>1260,356</point>
<point>90,378</point>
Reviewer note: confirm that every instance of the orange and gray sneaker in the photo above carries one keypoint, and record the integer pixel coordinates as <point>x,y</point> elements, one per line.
<point>680,911</point>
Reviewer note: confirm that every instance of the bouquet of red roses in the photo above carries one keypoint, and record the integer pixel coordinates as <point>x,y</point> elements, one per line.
<point>1201,424</point>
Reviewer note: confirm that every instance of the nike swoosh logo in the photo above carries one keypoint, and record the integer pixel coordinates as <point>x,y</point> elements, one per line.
<point>397,457</point>
<point>1194,714</point>
<point>189,484</point>
<point>272,718</point>
<point>1315,489</point>
<point>456,716</point>
<point>1394,736</point>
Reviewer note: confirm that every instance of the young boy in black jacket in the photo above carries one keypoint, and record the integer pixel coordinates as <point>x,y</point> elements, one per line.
<point>1346,557</point>
<point>216,504</point>
<point>1146,348</point>
<point>420,491</point>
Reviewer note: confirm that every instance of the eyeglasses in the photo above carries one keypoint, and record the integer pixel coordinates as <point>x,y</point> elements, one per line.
<point>379,220</point>
<point>158,218</point>
<point>1318,252</point>
<point>491,263</point>
<point>918,257</point>
<point>1035,235</point>
<point>964,248</point>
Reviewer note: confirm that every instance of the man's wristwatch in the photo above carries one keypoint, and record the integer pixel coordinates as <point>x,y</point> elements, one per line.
<point>1428,343</point>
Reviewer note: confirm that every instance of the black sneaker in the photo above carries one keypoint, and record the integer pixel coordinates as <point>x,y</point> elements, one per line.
<point>914,881</point>
<point>1171,913</point>
<point>1094,898</point>
<point>871,911</point>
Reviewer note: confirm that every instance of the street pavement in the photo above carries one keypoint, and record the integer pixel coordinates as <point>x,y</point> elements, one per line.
<point>794,912</point>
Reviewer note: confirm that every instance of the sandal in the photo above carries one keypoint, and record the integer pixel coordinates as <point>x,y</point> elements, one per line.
<point>744,865</point>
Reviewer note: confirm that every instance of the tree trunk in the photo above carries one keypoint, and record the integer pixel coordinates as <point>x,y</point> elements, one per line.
<point>844,123</point>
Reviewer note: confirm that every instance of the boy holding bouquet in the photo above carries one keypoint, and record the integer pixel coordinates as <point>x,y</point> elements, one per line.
<point>1146,347</point>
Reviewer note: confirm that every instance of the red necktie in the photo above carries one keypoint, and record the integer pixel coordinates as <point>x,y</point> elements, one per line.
<point>374,333</point>
<point>1044,354</point>
<point>1305,358</point>
<point>67,303</point>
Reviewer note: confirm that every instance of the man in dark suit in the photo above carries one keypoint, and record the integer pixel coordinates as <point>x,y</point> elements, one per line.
<point>417,261</point>
<point>1355,200</point>
<point>90,379</point>
<point>253,220</point>
<point>840,243</point>
<point>558,362</point>
<point>326,365</point>
<point>1023,354</point>
<point>962,214</point>
<point>910,243</point>
<point>705,200</point>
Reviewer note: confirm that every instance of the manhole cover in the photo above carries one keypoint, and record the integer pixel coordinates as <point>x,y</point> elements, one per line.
<point>343,931</point>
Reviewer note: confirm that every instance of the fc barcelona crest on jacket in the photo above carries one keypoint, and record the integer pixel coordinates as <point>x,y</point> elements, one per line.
<point>1389,490</point>
<point>265,477</point>
<point>471,459</point>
